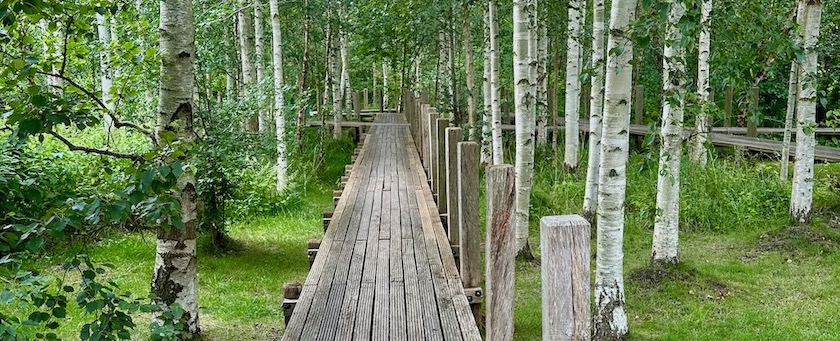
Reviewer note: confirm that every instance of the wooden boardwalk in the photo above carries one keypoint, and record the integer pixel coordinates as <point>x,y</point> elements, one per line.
<point>385,269</point>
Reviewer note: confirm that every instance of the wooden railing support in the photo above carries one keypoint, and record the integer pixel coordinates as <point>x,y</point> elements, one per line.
<point>312,247</point>
<point>291,294</point>
<point>440,167</point>
<point>500,252</point>
<point>453,136</point>
<point>468,155</point>
<point>564,241</point>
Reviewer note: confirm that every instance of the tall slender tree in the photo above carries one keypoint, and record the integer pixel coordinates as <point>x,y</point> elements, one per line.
<point>175,279</point>
<point>802,194</point>
<point>246,49</point>
<point>666,223</point>
<point>523,85</point>
<point>334,68</point>
<point>259,51</point>
<point>279,100</point>
<point>590,199</point>
<point>704,84</point>
<point>574,50</point>
<point>542,76</point>
<point>468,64</point>
<point>106,72</point>
<point>790,112</point>
<point>487,117</point>
<point>495,85</point>
<point>610,320</point>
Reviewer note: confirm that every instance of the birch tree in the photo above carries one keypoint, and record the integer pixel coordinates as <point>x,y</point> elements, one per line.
<point>334,76</point>
<point>175,279</point>
<point>590,199</point>
<point>789,115</point>
<point>666,223</point>
<point>542,78</point>
<point>346,91</point>
<point>610,318</point>
<point>806,108</point>
<point>574,49</point>
<point>468,64</point>
<point>704,85</point>
<point>103,28</point>
<point>498,154</point>
<point>384,85</point>
<point>247,46</point>
<point>279,100</point>
<point>260,67</point>
<point>523,84</point>
<point>486,133</point>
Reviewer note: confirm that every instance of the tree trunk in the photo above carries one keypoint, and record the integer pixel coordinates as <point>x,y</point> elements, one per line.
<point>610,320</point>
<point>303,92</point>
<point>524,117</point>
<point>453,80</point>
<point>103,26</point>
<point>704,85</point>
<point>666,223</point>
<point>789,115</point>
<point>262,119</point>
<point>806,108</point>
<point>590,199</point>
<point>486,140</point>
<point>175,279</point>
<point>247,44</point>
<point>384,85</point>
<point>468,64</point>
<point>573,66</point>
<point>346,90</point>
<point>279,100</point>
<point>542,78</point>
<point>444,96</point>
<point>495,91</point>
<point>334,72</point>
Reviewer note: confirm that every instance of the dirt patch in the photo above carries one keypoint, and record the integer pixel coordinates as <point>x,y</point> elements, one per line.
<point>651,278</point>
<point>789,239</point>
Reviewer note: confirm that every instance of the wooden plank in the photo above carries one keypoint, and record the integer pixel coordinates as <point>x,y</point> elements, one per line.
<point>381,297</point>
<point>470,238</point>
<point>413,311</point>
<point>349,305</point>
<point>500,252</point>
<point>564,241</point>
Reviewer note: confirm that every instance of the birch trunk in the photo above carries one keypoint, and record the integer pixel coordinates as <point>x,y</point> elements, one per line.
<point>334,75</point>
<point>789,115</point>
<point>279,100</point>
<point>444,96</point>
<point>384,85</point>
<point>666,223</point>
<point>498,154</point>
<point>346,91</point>
<point>704,85</point>
<point>590,199</point>
<point>806,108</point>
<point>247,44</point>
<point>175,279</point>
<point>573,66</point>
<point>542,80</point>
<point>486,133</point>
<point>260,67</point>
<point>523,85</point>
<point>610,320</point>
<point>468,61</point>
<point>303,92</point>
<point>103,26</point>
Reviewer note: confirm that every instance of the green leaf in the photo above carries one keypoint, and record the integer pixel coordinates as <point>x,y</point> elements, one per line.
<point>39,101</point>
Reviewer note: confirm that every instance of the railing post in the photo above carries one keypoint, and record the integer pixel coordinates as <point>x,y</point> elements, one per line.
<point>453,136</point>
<point>357,110</point>
<point>440,167</point>
<point>564,241</point>
<point>468,216</point>
<point>500,252</point>
<point>291,294</point>
<point>367,103</point>
<point>432,147</point>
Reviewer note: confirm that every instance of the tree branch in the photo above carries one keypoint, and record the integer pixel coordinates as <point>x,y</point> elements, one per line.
<point>73,147</point>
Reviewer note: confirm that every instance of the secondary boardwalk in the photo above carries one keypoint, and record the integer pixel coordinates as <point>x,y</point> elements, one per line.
<point>384,270</point>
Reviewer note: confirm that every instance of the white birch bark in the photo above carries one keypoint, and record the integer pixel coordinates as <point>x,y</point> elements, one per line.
<point>590,199</point>
<point>803,172</point>
<point>279,100</point>
<point>384,85</point>
<point>262,120</point>
<point>443,73</point>
<point>704,85</point>
<point>346,91</point>
<point>610,319</point>
<point>486,131</point>
<point>789,115</point>
<point>524,117</point>
<point>495,86</point>
<point>468,64</point>
<point>246,46</point>
<point>175,278</point>
<point>573,66</point>
<point>542,81</point>
<point>334,72</point>
<point>666,222</point>
<point>103,28</point>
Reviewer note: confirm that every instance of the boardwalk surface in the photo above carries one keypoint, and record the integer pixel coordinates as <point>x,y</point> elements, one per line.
<point>385,269</point>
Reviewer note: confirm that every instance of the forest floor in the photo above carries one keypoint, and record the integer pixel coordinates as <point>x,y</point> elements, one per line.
<point>745,273</point>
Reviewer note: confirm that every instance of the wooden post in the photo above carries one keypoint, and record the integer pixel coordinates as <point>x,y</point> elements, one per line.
<point>727,108</point>
<point>752,126</point>
<point>432,141</point>
<point>468,216</point>
<point>564,241</point>
<point>357,110</point>
<point>381,101</point>
<point>453,136</point>
<point>291,294</point>
<point>312,247</point>
<point>500,252</point>
<point>367,103</point>
<point>440,167</point>
<point>639,114</point>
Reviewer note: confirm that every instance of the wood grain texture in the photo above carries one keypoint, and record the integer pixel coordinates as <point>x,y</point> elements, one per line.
<point>453,136</point>
<point>500,252</point>
<point>470,234</point>
<point>564,242</point>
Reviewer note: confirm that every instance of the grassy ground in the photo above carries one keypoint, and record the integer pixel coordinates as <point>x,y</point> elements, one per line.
<point>745,274</point>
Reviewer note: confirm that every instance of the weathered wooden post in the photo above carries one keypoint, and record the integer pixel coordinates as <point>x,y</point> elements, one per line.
<point>312,247</point>
<point>453,136</point>
<point>291,294</point>
<point>564,241</point>
<point>357,110</point>
<point>752,127</point>
<point>440,167</point>
<point>500,252</point>
<point>639,111</point>
<point>381,101</point>
<point>367,103</point>
<point>468,216</point>
<point>327,219</point>
<point>727,107</point>
<point>432,146</point>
